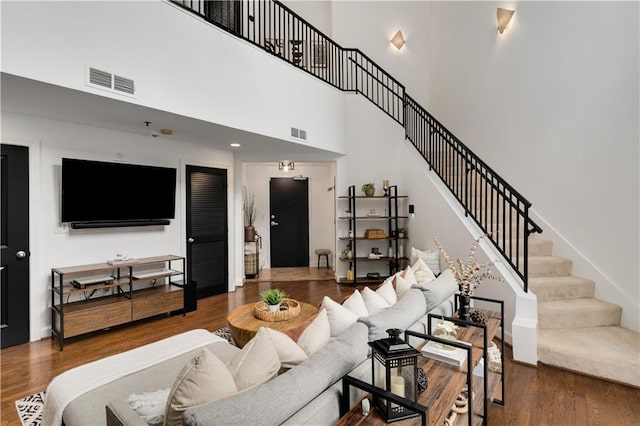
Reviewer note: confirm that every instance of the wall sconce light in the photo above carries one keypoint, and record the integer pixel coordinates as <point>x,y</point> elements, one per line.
<point>504,17</point>
<point>286,165</point>
<point>398,40</point>
<point>412,210</point>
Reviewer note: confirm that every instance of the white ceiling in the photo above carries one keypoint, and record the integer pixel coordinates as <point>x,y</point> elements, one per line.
<point>35,98</point>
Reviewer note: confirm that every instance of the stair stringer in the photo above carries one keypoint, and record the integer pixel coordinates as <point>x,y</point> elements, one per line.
<point>523,314</point>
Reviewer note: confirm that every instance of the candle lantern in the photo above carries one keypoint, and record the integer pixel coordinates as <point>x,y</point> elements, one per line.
<point>395,369</point>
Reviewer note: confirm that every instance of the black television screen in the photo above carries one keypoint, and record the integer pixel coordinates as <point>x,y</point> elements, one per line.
<point>97,191</point>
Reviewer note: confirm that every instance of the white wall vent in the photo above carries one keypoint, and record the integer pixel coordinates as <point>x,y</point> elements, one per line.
<point>106,80</point>
<point>123,84</point>
<point>299,133</point>
<point>99,77</point>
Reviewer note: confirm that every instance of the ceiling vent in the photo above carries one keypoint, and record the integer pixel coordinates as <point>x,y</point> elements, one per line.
<point>299,133</point>
<point>105,80</point>
<point>123,84</point>
<point>99,78</point>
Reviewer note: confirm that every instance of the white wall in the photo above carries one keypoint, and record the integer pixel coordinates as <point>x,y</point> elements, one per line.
<point>317,13</point>
<point>51,247</point>
<point>370,25</point>
<point>179,63</point>
<point>372,156</point>
<point>553,106</point>
<point>321,178</point>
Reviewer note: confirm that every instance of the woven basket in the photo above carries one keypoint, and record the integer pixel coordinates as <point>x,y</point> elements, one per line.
<point>292,310</point>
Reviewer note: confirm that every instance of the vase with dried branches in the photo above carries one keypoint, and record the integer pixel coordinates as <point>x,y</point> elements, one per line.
<point>249,210</point>
<point>469,274</point>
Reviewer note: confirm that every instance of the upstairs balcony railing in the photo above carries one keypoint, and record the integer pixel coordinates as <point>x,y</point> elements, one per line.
<point>497,208</point>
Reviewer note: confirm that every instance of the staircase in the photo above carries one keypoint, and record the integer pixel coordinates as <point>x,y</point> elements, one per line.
<point>576,331</point>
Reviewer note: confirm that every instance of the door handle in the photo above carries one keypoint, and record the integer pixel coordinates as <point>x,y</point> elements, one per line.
<point>274,223</point>
<point>190,240</point>
<point>21,254</point>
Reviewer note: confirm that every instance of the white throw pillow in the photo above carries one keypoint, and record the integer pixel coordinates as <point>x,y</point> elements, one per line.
<point>402,285</point>
<point>355,303</point>
<point>374,301</point>
<point>387,291</point>
<point>289,352</point>
<point>313,334</point>
<point>409,276</point>
<point>340,318</point>
<point>430,257</point>
<point>422,272</point>
<point>150,406</point>
<point>204,379</point>
<point>256,363</point>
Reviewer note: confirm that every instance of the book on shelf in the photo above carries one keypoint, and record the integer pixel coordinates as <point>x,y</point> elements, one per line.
<point>445,353</point>
<point>122,262</point>
<point>83,282</point>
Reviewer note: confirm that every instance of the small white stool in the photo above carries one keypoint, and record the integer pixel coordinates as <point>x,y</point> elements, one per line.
<point>321,253</point>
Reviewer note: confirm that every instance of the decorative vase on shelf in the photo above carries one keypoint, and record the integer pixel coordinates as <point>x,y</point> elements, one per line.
<point>464,308</point>
<point>249,233</point>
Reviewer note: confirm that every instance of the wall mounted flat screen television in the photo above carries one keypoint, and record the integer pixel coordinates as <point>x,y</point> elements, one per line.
<point>103,194</point>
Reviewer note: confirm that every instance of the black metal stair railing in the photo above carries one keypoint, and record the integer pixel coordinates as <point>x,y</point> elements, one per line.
<point>498,209</point>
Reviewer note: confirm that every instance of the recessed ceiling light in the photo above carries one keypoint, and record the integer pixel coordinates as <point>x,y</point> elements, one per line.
<point>235,145</point>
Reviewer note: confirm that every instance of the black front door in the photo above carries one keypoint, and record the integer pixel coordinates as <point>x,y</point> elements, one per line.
<point>14,239</point>
<point>207,244</point>
<point>289,217</point>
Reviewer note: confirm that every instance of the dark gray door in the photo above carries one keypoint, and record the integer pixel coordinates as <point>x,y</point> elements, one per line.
<point>289,217</point>
<point>207,244</point>
<point>14,235</point>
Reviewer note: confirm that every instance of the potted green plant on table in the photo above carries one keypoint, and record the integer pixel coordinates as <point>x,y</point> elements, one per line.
<point>273,297</point>
<point>369,189</point>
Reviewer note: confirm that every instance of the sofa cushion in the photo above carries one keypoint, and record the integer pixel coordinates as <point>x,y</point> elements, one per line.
<point>402,285</point>
<point>438,290</point>
<point>340,318</point>
<point>431,258</point>
<point>277,400</point>
<point>355,303</point>
<point>256,363</point>
<point>374,301</point>
<point>388,292</point>
<point>289,352</point>
<point>312,334</point>
<point>204,379</point>
<point>409,308</point>
<point>150,406</point>
<point>422,272</point>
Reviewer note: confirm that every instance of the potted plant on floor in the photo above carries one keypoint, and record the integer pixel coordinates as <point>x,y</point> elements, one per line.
<point>273,297</point>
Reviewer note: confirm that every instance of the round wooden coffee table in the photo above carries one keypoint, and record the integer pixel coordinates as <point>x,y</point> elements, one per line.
<point>244,325</point>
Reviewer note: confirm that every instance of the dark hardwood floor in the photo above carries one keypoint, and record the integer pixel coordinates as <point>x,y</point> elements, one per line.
<point>534,396</point>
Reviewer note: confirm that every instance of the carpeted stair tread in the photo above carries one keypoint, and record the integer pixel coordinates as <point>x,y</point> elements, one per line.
<point>612,353</point>
<point>577,313</point>
<point>549,266</point>
<point>564,287</point>
<point>540,247</point>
